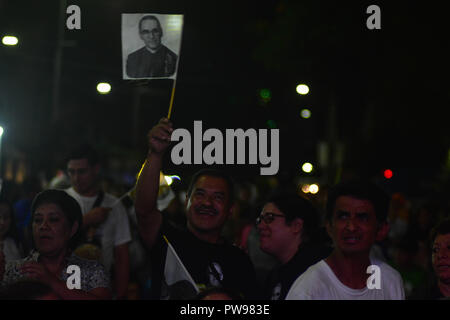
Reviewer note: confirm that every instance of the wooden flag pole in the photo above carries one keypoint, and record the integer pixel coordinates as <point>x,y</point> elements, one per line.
<point>176,70</point>
<point>171,98</point>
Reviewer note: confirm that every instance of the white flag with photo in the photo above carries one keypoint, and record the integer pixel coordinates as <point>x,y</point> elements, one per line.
<point>180,283</point>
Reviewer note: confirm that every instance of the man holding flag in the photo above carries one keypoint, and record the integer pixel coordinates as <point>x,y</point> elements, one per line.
<point>186,261</point>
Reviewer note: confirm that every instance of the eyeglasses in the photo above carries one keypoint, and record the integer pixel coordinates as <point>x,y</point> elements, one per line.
<point>268,218</point>
<point>154,32</point>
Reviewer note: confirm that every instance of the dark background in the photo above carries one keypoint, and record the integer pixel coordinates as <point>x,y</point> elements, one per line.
<point>381,94</point>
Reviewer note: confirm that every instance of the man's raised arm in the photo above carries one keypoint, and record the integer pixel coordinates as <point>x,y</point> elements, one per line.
<point>148,216</point>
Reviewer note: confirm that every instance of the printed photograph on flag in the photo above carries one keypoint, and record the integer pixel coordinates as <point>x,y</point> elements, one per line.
<point>177,284</point>
<point>151,45</point>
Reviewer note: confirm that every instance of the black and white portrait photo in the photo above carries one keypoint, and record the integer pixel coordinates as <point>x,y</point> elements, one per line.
<point>151,45</point>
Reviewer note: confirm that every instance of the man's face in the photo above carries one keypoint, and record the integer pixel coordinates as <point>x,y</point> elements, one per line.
<point>274,236</point>
<point>82,175</point>
<point>354,226</point>
<point>441,257</point>
<point>150,34</point>
<point>208,206</point>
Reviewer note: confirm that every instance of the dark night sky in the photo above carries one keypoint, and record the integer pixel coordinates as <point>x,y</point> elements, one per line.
<point>389,86</point>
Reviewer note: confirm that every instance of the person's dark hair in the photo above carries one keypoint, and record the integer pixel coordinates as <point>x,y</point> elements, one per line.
<point>442,228</point>
<point>69,206</point>
<point>213,173</point>
<point>84,151</point>
<point>362,190</point>
<point>150,17</point>
<point>293,206</point>
<point>13,232</point>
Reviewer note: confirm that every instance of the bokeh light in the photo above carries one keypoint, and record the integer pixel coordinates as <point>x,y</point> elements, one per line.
<point>10,40</point>
<point>104,88</point>
<point>388,173</point>
<point>314,188</point>
<point>305,113</point>
<point>302,89</point>
<point>307,167</point>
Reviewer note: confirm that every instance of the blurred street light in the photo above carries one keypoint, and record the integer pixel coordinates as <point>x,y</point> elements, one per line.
<point>302,89</point>
<point>305,113</point>
<point>307,167</point>
<point>314,188</point>
<point>10,40</point>
<point>388,173</point>
<point>103,88</point>
<point>305,188</point>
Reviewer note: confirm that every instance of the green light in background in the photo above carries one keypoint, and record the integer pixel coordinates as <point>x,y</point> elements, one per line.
<point>265,94</point>
<point>271,124</point>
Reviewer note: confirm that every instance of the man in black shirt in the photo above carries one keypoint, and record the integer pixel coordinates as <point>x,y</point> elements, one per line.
<point>209,202</point>
<point>155,59</point>
<point>288,228</point>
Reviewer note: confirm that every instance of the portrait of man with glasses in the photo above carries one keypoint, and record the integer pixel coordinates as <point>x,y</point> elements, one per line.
<point>154,59</point>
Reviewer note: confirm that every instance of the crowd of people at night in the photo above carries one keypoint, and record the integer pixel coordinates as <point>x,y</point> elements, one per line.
<point>235,239</point>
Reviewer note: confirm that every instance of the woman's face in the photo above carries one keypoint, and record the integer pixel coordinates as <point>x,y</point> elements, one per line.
<point>5,220</point>
<point>51,229</point>
<point>275,233</point>
<point>441,257</point>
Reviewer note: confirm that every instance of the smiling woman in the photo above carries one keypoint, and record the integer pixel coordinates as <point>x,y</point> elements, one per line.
<point>288,226</point>
<point>56,228</point>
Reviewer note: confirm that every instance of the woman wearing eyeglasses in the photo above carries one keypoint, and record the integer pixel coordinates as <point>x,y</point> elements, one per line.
<point>287,227</point>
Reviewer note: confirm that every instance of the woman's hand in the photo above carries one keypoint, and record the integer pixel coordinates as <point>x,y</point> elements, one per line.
<point>37,271</point>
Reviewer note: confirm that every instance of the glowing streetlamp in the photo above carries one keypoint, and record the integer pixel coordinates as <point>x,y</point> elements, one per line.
<point>305,188</point>
<point>302,89</point>
<point>104,88</point>
<point>314,188</point>
<point>307,167</point>
<point>10,40</point>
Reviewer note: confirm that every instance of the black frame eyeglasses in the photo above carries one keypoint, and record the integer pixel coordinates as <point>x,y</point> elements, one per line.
<point>268,217</point>
<point>154,32</point>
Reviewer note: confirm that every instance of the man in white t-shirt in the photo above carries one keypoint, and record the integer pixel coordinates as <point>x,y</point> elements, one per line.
<point>104,218</point>
<point>356,219</point>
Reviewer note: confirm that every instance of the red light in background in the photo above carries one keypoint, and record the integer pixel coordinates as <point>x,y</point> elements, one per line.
<point>388,174</point>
